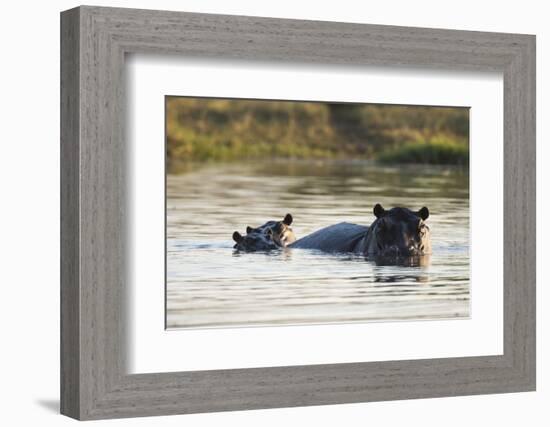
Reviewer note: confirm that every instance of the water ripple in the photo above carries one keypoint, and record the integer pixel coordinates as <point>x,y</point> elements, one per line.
<point>209,285</point>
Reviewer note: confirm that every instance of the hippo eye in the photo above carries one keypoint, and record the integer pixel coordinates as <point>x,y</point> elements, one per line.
<point>422,229</point>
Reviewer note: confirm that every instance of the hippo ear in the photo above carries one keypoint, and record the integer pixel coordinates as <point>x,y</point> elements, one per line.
<point>423,213</point>
<point>237,237</point>
<point>288,219</point>
<point>249,229</point>
<point>379,211</point>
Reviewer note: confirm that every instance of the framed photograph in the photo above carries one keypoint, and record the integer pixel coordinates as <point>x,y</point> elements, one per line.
<point>261,213</point>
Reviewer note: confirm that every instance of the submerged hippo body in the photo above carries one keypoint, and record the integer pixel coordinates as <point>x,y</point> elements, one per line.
<point>397,232</point>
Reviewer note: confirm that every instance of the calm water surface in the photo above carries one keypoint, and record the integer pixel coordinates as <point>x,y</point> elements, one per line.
<point>210,285</point>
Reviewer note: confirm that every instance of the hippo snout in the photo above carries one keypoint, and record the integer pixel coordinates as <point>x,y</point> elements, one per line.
<point>396,251</point>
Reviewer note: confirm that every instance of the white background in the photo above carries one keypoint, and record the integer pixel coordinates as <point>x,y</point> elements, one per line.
<point>29,213</point>
<point>154,350</point>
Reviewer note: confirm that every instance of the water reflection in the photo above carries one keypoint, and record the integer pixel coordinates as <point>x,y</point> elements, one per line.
<point>211,285</point>
<point>409,261</point>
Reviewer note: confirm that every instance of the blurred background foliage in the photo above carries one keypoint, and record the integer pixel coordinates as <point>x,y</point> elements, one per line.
<point>200,129</point>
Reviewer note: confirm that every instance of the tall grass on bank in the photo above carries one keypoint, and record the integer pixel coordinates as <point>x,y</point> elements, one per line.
<point>436,151</point>
<point>201,129</point>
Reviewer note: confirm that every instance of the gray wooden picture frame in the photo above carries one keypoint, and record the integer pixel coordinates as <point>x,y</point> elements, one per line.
<point>94,269</point>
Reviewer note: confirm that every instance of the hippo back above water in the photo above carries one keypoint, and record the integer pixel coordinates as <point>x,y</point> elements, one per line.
<point>397,232</point>
<point>342,237</point>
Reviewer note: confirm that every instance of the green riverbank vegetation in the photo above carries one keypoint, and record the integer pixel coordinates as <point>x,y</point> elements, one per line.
<point>208,130</point>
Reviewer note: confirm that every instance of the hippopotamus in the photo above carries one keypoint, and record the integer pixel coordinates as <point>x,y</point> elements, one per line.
<point>251,242</point>
<point>281,231</point>
<point>397,232</point>
<point>271,235</point>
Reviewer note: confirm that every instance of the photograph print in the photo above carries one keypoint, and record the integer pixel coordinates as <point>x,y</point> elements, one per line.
<point>286,212</point>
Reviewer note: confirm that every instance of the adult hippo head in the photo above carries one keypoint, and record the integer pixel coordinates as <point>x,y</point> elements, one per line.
<point>397,232</point>
<point>281,232</point>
